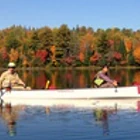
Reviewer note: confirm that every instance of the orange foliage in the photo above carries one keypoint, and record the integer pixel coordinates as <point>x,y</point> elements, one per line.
<point>88,38</point>
<point>14,55</point>
<point>137,77</point>
<point>136,53</point>
<point>81,57</point>
<point>53,50</point>
<point>25,75</point>
<point>25,62</point>
<point>86,42</point>
<point>82,51</point>
<point>128,44</point>
<point>82,80</point>
<point>53,79</point>
<point>94,58</point>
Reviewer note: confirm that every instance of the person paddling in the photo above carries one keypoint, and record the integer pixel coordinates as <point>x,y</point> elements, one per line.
<point>103,80</point>
<point>10,78</point>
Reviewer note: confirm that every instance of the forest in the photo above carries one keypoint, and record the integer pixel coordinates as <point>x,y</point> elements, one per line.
<point>65,47</point>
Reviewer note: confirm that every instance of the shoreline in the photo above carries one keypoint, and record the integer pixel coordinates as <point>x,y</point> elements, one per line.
<point>76,68</point>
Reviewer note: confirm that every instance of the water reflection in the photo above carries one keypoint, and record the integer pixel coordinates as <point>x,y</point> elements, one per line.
<point>9,117</point>
<point>102,118</point>
<point>51,118</point>
<point>75,78</point>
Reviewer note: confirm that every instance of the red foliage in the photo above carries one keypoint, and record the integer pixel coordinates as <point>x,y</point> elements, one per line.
<point>95,57</point>
<point>68,75</point>
<point>111,42</point>
<point>69,60</point>
<point>52,87</point>
<point>123,62</point>
<point>4,54</point>
<point>42,54</point>
<point>117,55</point>
<point>118,78</point>
<point>41,81</point>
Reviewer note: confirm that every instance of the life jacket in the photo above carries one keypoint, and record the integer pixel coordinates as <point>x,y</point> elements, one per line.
<point>97,80</point>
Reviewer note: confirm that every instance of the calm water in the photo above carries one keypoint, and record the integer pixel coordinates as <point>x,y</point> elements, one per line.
<point>68,123</point>
<point>73,78</point>
<point>62,122</point>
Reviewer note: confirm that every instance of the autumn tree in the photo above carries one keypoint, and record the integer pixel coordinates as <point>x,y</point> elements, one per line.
<point>78,46</point>
<point>95,57</point>
<point>4,57</point>
<point>46,37</point>
<point>81,31</point>
<point>131,58</point>
<point>86,47</point>
<point>136,53</point>
<point>63,37</point>
<point>12,42</point>
<point>127,32</point>
<point>35,42</point>
<point>42,55</point>
<point>122,50</point>
<point>103,47</point>
<point>14,55</point>
<point>128,44</point>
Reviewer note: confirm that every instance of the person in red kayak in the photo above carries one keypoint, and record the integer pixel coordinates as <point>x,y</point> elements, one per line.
<point>103,80</point>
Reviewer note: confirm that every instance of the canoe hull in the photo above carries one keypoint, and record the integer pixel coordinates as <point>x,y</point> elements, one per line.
<point>87,93</point>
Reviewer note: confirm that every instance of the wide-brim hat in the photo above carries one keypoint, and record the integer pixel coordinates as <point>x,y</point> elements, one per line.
<point>11,65</point>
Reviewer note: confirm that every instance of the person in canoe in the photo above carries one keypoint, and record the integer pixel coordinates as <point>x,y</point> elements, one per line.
<point>102,79</point>
<point>10,78</point>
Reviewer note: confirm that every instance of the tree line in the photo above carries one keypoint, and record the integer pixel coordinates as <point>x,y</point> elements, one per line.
<point>65,47</point>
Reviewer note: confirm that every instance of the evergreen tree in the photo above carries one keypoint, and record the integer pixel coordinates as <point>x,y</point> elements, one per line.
<point>35,42</point>
<point>131,59</point>
<point>63,37</point>
<point>102,44</point>
<point>12,42</point>
<point>46,37</point>
<point>122,49</point>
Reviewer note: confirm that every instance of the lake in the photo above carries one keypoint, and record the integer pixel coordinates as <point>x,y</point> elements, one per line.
<point>72,120</point>
<point>69,122</point>
<point>75,78</point>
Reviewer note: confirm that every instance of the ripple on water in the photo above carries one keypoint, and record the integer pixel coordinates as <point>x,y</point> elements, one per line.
<point>74,123</point>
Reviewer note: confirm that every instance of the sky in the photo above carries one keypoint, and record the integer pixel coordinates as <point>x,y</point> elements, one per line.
<point>53,13</point>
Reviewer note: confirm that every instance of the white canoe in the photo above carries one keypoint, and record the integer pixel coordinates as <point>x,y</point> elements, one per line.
<point>86,93</point>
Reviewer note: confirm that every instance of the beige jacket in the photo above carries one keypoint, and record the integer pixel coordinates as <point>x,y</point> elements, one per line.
<point>7,79</point>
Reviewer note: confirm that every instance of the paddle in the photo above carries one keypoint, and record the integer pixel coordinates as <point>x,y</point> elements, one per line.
<point>4,90</point>
<point>47,84</point>
<point>18,86</point>
<point>116,90</point>
<point>1,93</point>
<point>115,83</point>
